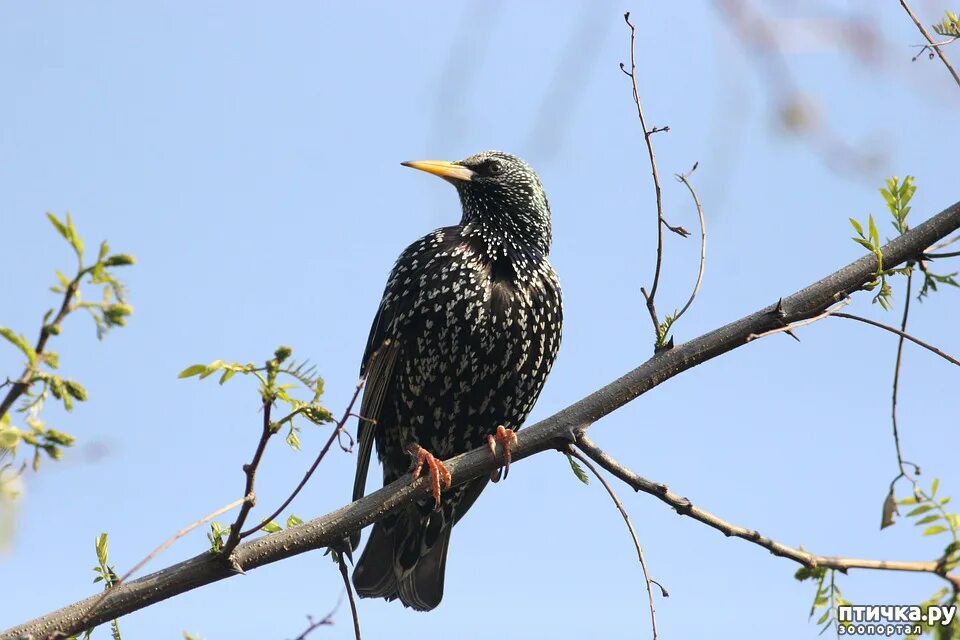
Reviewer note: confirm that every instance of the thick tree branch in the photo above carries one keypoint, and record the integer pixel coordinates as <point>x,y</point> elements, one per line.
<point>554,432</point>
<point>685,507</point>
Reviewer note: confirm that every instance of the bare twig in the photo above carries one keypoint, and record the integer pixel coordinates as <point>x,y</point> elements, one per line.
<point>346,585</point>
<point>325,621</point>
<point>900,332</point>
<point>647,135</point>
<point>316,463</point>
<point>933,45</point>
<point>944,243</point>
<point>250,470</point>
<point>160,549</point>
<point>788,328</point>
<point>896,385</point>
<point>683,506</point>
<point>633,534</point>
<point>684,178</point>
<point>554,432</point>
<point>934,256</point>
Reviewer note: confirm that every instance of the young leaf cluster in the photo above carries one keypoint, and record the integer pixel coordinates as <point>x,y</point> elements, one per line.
<point>578,471</point>
<point>40,380</point>
<point>827,597</point>
<point>949,26</point>
<point>277,382</point>
<point>218,533</point>
<point>897,196</point>
<point>929,511</point>
<point>106,574</point>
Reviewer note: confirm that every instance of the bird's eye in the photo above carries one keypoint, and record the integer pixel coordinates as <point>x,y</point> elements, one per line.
<point>494,168</point>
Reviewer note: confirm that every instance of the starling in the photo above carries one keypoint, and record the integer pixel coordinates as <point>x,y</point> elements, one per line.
<point>461,345</point>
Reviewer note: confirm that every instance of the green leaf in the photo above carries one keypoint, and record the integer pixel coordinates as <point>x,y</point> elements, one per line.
<point>227,375</point>
<point>293,521</point>
<point>21,343</point>
<point>73,237</point>
<point>874,234</point>
<point>857,226</point>
<point>293,440</point>
<point>101,545</point>
<point>578,470</point>
<point>921,509</point>
<point>271,527</point>
<point>934,530</point>
<point>192,370</point>
<point>933,517</point>
<point>211,368</point>
<point>75,389</point>
<point>934,486</point>
<point>59,226</point>
<point>9,438</point>
<point>119,260</point>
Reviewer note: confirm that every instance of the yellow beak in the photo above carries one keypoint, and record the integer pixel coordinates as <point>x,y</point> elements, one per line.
<point>442,168</point>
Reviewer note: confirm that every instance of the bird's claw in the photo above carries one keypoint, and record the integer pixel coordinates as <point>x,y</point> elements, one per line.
<point>439,476</point>
<point>507,439</point>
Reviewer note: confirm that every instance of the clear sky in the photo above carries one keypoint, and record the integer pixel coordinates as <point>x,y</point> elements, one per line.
<point>249,159</point>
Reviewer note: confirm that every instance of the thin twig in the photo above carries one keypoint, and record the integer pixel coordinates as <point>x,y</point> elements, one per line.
<point>934,256</point>
<point>684,178</point>
<point>633,534</point>
<point>903,335</point>
<point>896,379</point>
<point>787,328</point>
<point>896,374</point>
<point>944,243</point>
<point>647,135</point>
<point>160,549</point>
<point>250,469</point>
<point>933,45</point>
<point>316,463</point>
<point>326,620</point>
<point>346,585</point>
<point>683,506</point>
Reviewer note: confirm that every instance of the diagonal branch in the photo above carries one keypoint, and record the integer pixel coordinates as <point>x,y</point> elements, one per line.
<point>552,433</point>
<point>933,45</point>
<point>684,507</point>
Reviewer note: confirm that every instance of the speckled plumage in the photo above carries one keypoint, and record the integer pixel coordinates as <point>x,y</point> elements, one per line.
<point>463,341</point>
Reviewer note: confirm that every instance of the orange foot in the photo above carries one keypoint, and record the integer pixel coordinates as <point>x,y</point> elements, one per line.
<point>438,472</point>
<point>507,439</point>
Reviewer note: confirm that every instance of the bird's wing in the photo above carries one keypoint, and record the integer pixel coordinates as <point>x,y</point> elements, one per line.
<point>377,369</point>
<point>386,339</point>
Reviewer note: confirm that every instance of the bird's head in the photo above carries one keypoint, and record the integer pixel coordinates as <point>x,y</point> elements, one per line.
<point>502,197</point>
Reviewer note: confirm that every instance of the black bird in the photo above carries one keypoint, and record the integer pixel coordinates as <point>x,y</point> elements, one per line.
<point>462,343</point>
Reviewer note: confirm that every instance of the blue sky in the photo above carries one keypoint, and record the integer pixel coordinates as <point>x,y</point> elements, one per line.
<point>249,159</point>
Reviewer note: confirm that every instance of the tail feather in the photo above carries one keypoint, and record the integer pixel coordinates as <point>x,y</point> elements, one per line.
<point>406,555</point>
<point>374,576</point>
<point>397,564</point>
<point>422,588</point>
